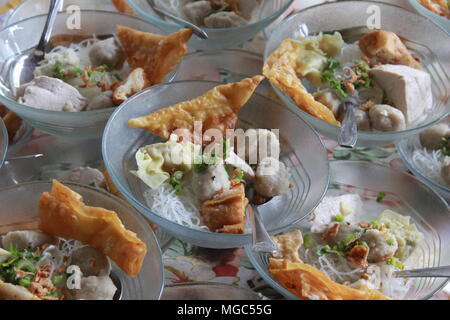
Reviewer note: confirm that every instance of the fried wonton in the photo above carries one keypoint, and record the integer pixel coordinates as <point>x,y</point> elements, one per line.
<point>122,6</point>
<point>280,68</point>
<point>63,213</point>
<point>216,109</point>
<point>12,123</point>
<point>387,48</point>
<point>306,281</point>
<point>134,83</point>
<point>156,54</point>
<point>440,7</point>
<point>225,212</point>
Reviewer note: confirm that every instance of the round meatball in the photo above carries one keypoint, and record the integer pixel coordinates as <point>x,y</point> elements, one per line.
<point>210,181</point>
<point>22,239</point>
<point>432,138</point>
<point>91,262</point>
<point>382,245</point>
<point>224,19</point>
<point>102,101</point>
<point>95,288</point>
<point>106,52</point>
<point>87,176</point>
<point>387,118</point>
<point>272,178</point>
<point>362,120</point>
<point>197,11</point>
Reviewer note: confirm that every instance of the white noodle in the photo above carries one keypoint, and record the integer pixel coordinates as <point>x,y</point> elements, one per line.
<point>429,163</point>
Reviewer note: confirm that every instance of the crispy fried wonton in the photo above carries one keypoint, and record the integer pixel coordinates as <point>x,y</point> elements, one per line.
<point>63,213</point>
<point>280,68</point>
<point>306,281</point>
<point>216,109</point>
<point>12,123</point>
<point>156,54</point>
<point>134,83</point>
<point>122,6</point>
<point>387,48</point>
<point>225,212</point>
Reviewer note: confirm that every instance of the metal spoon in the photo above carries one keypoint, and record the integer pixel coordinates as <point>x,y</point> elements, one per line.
<point>199,32</point>
<point>261,240</point>
<point>438,272</point>
<point>118,283</point>
<point>348,134</point>
<point>23,68</point>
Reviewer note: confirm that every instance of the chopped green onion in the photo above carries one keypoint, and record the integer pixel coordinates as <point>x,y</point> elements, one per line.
<point>308,241</point>
<point>381,196</point>
<point>24,282</point>
<point>58,72</point>
<point>393,261</point>
<point>175,182</point>
<point>57,279</point>
<point>339,218</point>
<point>390,242</point>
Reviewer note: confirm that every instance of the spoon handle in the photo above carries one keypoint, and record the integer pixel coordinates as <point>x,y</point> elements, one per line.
<point>438,272</point>
<point>348,134</point>
<point>199,32</point>
<point>262,241</point>
<point>55,5</point>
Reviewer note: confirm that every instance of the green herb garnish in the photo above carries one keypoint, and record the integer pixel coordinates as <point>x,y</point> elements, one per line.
<point>175,182</point>
<point>339,218</point>
<point>308,241</point>
<point>117,77</point>
<point>58,72</point>
<point>338,87</point>
<point>390,242</point>
<point>393,261</point>
<point>381,196</point>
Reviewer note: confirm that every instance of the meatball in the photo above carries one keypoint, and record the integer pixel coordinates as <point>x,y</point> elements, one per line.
<point>22,239</point>
<point>102,101</point>
<point>210,181</point>
<point>386,118</point>
<point>91,262</point>
<point>224,19</point>
<point>272,178</point>
<point>87,176</point>
<point>362,120</point>
<point>106,52</point>
<point>432,138</point>
<point>382,245</point>
<point>95,288</point>
<point>196,12</point>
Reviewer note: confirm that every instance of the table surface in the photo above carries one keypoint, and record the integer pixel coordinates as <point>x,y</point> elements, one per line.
<point>184,262</point>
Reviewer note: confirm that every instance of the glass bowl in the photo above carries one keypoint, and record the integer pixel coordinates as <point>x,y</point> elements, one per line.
<point>404,194</point>
<point>3,142</point>
<point>17,38</point>
<point>309,169</point>
<point>417,29</point>
<point>60,156</point>
<point>207,291</point>
<point>218,38</point>
<point>31,8</point>
<point>406,148</point>
<point>442,21</point>
<point>20,204</point>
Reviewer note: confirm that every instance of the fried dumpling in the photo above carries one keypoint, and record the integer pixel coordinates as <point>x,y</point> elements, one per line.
<point>387,48</point>
<point>63,213</point>
<point>122,6</point>
<point>156,54</point>
<point>135,82</point>
<point>280,68</point>
<point>225,212</point>
<point>216,109</point>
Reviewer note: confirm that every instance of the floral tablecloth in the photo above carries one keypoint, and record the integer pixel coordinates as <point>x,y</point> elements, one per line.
<point>184,262</point>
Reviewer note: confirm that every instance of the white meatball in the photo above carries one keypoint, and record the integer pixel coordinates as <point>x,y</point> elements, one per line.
<point>432,138</point>
<point>382,245</point>
<point>87,176</point>
<point>260,143</point>
<point>95,288</point>
<point>386,118</point>
<point>102,101</point>
<point>22,239</point>
<point>91,262</point>
<point>272,178</point>
<point>445,170</point>
<point>224,19</point>
<point>210,181</point>
<point>362,120</point>
<point>196,12</point>
<point>106,52</point>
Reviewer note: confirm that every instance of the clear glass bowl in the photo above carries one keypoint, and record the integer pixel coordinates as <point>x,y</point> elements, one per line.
<point>302,151</point>
<point>218,38</point>
<point>31,8</point>
<point>406,148</point>
<point>404,194</point>
<point>60,156</point>
<point>416,29</point>
<point>207,291</point>
<point>17,38</point>
<point>20,204</point>
<point>3,142</point>
<point>442,21</point>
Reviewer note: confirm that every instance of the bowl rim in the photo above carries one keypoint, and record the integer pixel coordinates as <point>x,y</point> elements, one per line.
<point>147,212</point>
<point>401,147</point>
<point>393,135</point>
<point>135,213</point>
<point>263,272</point>
<point>166,24</point>
<point>5,142</point>
<point>416,5</point>
<point>36,111</point>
